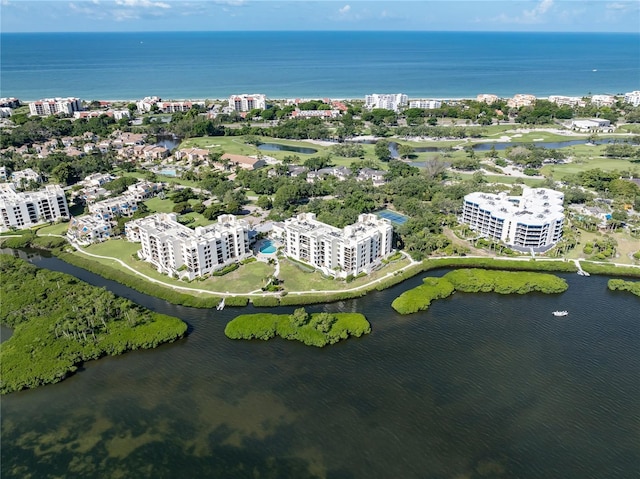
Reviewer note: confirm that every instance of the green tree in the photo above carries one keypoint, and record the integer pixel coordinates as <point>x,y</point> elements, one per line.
<point>300,317</point>
<point>63,173</point>
<point>382,150</point>
<point>264,202</point>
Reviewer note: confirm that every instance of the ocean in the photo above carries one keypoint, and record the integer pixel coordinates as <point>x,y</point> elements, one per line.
<point>208,65</point>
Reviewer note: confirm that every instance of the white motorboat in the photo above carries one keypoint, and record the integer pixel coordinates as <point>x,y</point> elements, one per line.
<point>560,313</point>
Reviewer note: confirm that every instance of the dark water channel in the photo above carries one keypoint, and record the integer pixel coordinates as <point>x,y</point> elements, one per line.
<point>501,146</point>
<point>478,386</point>
<point>279,147</point>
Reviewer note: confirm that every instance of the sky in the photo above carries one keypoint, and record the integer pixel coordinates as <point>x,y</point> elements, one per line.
<point>252,15</point>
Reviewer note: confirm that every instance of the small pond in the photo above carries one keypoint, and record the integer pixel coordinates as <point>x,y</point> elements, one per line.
<point>279,147</point>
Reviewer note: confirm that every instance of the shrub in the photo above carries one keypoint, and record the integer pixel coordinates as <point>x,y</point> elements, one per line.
<point>318,329</point>
<point>266,301</point>
<point>51,338</point>
<point>474,281</point>
<point>419,298</point>
<point>621,285</point>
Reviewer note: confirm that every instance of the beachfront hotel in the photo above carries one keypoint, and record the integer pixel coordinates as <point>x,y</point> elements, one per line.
<point>26,209</point>
<point>355,249</point>
<point>247,102</point>
<point>53,106</point>
<point>179,251</point>
<point>387,101</point>
<point>531,221</point>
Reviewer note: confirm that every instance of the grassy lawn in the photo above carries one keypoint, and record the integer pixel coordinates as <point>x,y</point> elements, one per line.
<point>55,229</point>
<point>585,163</point>
<point>158,205</point>
<point>627,245</point>
<point>509,180</point>
<point>297,279</point>
<point>245,279</point>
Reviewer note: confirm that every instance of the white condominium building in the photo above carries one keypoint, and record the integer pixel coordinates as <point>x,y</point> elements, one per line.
<point>533,220</point>
<point>356,249</point>
<point>521,99</point>
<point>177,250</point>
<point>30,208</point>
<point>603,100</point>
<point>53,106</point>
<point>387,101</point>
<point>88,229</point>
<point>247,102</point>
<point>632,97</point>
<point>487,98</point>
<point>425,104</point>
<point>25,176</point>
<point>567,100</point>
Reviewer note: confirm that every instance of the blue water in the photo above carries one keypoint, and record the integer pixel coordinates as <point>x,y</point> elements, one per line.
<point>315,64</point>
<point>279,147</point>
<point>268,247</point>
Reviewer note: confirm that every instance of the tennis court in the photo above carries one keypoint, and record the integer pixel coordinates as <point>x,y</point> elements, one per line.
<point>392,216</point>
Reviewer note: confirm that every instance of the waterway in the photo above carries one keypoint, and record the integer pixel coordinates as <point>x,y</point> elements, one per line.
<point>477,386</point>
<point>502,145</point>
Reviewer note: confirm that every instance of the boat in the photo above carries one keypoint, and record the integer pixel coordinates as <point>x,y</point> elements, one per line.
<point>560,313</point>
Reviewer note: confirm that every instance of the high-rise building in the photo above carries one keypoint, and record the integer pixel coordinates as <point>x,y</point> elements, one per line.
<point>531,221</point>
<point>179,251</point>
<point>53,106</point>
<point>355,249</point>
<point>247,102</point>
<point>26,209</point>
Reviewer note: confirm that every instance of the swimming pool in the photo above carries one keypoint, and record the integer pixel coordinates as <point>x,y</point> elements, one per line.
<point>267,247</point>
<point>168,172</point>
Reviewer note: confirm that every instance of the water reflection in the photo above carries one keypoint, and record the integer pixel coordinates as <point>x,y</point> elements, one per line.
<point>279,147</point>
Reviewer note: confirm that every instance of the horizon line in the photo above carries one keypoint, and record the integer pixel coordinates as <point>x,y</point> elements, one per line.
<point>617,32</point>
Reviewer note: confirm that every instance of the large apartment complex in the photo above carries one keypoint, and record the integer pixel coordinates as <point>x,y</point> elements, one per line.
<point>22,210</point>
<point>179,251</point>
<point>531,221</point>
<point>355,249</point>
<point>246,102</point>
<point>391,101</point>
<point>53,106</point>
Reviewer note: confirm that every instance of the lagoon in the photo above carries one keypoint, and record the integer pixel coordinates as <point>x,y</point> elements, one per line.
<point>478,383</point>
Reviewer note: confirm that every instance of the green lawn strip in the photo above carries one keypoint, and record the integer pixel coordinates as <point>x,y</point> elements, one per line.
<point>621,285</point>
<point>54,229</point>
<point>510,180</point>
<point>586,161</point>
<point>300,277</point>
<point>476,281</point>
<point>609,269</point>
<point>318,329</point>
<point>59,322</point>
<point>159,205</point>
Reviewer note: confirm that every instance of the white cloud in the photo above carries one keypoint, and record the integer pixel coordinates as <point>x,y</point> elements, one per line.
<point>344,10</point>
<point>232,3</point>
<point>539,10</point>
<point>142,4</point>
